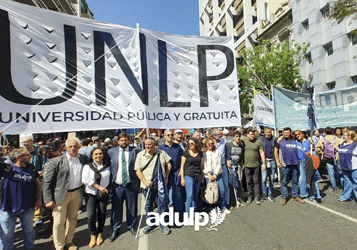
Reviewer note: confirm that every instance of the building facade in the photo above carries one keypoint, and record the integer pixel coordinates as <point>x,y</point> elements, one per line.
<point>278,28</point>
<point>65,6</point>
<point>237,18</point>
<point>331,61</point>
<point>246,20</point>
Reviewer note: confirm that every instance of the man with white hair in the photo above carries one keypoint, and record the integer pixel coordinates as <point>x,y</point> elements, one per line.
<point>63,192</point>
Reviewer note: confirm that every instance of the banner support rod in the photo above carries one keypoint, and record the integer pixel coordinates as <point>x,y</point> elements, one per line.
<point>276,133</point>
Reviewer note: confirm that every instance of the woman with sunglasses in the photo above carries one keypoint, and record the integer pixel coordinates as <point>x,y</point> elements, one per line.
<point>213,169</point>
<point>192,173</point>
<point>348,160</point>
<point>94,183</point>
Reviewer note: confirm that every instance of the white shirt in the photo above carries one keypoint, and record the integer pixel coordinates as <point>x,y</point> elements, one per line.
<point>88,178</point>
<point>118,179</point>
<point>75,172</point>
<point>212,163</point>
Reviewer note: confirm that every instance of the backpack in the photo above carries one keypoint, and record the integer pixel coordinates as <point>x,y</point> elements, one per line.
<point>212,192</point>
<point>329,148</point>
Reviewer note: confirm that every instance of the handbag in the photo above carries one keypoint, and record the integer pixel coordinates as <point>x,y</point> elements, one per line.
<point>212,192</point>
<point>100,195</point>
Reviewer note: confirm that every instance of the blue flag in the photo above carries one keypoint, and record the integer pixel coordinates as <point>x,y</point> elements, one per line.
<point>159,183</point>
<point>311,112</point>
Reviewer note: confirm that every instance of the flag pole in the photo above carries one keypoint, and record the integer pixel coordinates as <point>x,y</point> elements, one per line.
<point>272,98</point>
<point>142,213</point>
<point>138,35</point>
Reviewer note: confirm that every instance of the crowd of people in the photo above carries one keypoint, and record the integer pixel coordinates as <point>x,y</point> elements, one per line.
<point>56,177</point>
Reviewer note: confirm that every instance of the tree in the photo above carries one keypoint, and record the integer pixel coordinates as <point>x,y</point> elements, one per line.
<point>264,66</point>
<point>340,9</point>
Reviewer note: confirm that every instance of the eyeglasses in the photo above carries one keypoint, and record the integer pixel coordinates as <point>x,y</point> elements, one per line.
<point>210,143</point>
<point>170,135</point>
<point>191,143</point>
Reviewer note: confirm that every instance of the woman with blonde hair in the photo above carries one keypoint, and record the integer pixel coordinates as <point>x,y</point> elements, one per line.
<point>348,160</point>
<point>213,169</point>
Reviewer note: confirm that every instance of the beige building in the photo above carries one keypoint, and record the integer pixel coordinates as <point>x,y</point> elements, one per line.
<point>278,28</point>
<point>64,6</point>
<point>246,20</point>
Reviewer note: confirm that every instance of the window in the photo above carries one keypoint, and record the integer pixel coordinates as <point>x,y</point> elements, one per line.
<point>331,85</point>
<point>353,37</point>
<point>354,79</point>
<point>308,58</point>
<point>220,2</point>
<point>329,49</point>
<point>306,24</point>
<point>254,19</point>
<point>266,11</point>
<point>325,11</point>
<point>240,60</point>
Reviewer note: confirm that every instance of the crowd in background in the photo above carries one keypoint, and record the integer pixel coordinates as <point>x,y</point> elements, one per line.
<point>48,178</point>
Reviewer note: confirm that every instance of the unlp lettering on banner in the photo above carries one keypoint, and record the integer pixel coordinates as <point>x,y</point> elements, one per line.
<point>87,75</point>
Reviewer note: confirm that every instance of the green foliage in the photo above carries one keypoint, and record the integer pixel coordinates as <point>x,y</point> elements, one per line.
<point>264,66</point>
<point>340,9</point>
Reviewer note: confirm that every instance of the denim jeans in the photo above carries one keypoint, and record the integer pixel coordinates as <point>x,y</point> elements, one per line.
<point>192,190</point>
<point>175,195</point>
<point>302,178</point>
<point>153,197</point>
<point>334,172</point>
<point>318,175</point>
<point>222,200</point>
<point>225,178</point>
<point>287,173</point>
<point>350,184</point>
<point>7,228</point>
<point>315,175</point>
<point>269,172</point>
<point>338,173</point>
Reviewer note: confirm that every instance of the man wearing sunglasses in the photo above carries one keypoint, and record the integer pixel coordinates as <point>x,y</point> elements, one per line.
<point>21,195</point>
<point>175,151</point>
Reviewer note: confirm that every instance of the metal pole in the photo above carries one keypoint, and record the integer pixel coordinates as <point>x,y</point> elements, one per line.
<point>235,194</point>
<point>142,213</point>
<point>79,7</point>
<point>272,98</point>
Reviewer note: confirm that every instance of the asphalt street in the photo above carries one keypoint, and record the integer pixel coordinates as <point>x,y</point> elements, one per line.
<point>328,225</point>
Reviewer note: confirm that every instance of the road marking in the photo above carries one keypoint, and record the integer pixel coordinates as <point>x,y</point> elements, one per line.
<point>143,238</point>
<point>333,211</point>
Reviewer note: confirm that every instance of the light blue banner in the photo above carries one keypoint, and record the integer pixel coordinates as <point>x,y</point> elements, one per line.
<point>336,108</point>
<point>290,109</point>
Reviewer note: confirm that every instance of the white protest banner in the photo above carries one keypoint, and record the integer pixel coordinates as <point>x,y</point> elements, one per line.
<point>64,73</point>
<point>263,110</point>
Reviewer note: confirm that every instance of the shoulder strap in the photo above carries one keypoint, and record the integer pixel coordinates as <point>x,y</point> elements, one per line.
<point>147,164</point>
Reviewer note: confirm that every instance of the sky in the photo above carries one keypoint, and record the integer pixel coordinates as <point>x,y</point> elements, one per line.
<point>171,16</point>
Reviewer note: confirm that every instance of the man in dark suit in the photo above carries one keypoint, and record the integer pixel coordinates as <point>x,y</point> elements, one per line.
<point>63,192</point>
<point>126,184</point>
